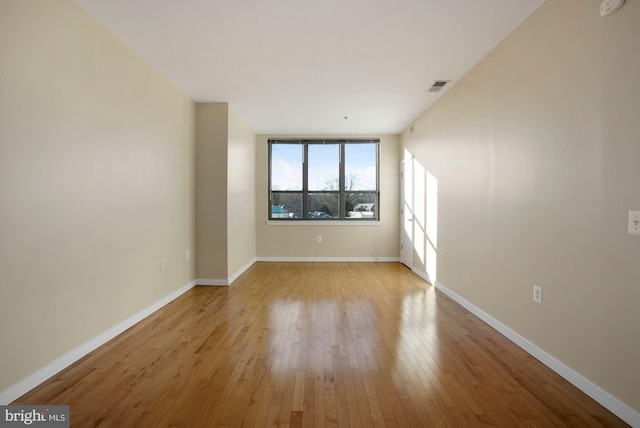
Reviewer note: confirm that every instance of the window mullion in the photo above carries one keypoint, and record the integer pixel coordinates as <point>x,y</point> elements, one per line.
<point>341,196</point>
<point>305,181</point>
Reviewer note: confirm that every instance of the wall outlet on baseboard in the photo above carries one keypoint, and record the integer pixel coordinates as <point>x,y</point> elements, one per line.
<point>319,238</point>
<point>163,265</point>
<point>187,255</point>
<point>537,294</point>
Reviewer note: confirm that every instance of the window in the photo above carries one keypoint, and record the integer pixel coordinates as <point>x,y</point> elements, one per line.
<point>323,180</point>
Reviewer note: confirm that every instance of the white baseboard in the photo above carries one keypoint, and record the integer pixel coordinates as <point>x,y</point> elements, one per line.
<point>214,282</point>
<point>328,259</point>
<point>229,281</point>
<point>241,271</point>
<point>46,372</point>
<point>617,407</point>
<point>422,275</point>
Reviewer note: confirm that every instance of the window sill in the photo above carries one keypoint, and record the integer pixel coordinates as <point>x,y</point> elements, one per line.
<point>323,222</point>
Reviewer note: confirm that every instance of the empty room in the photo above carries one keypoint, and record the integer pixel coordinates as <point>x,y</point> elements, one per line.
<point>339,213</point>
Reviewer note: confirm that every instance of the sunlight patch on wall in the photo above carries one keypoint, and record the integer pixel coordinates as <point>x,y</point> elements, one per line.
<point>420,208</point>
<point>420,212</point>
<point>432,225</point>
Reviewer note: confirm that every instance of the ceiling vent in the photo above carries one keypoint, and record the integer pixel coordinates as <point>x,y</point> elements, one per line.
<point>437,85</point>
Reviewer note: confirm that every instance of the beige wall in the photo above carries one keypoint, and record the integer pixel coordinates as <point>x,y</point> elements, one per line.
<point>96,184</point>
<point>211,189</point>
<point>536,155</point>
<point>241,195</point>
<point>348,241</point>
<point>225,217</point>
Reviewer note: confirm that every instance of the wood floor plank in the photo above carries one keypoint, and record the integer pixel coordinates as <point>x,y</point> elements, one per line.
<point>316,345</point>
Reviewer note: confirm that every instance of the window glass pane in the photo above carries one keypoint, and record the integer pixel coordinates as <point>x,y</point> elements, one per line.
<point>361,205</point>
<point>324,166</point>
<point>323,206</point>
<point>286,205</point>
<point>286,167</point>
<point>360,167</point>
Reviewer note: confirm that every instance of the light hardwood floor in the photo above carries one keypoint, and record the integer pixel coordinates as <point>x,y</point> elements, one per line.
<point>316,344</point>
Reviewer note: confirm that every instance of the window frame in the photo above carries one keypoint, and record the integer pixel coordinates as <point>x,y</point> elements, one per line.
<point>341,192</point>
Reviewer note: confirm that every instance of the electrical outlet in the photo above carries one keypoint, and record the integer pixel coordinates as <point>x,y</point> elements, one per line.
<point>319,238</point>
<point>163,265</point>
<point>634,222</point>
<point>537,294</point>
<point>187,255</point>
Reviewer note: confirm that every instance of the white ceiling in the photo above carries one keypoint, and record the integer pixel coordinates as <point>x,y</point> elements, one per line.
<point>300,66</point>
